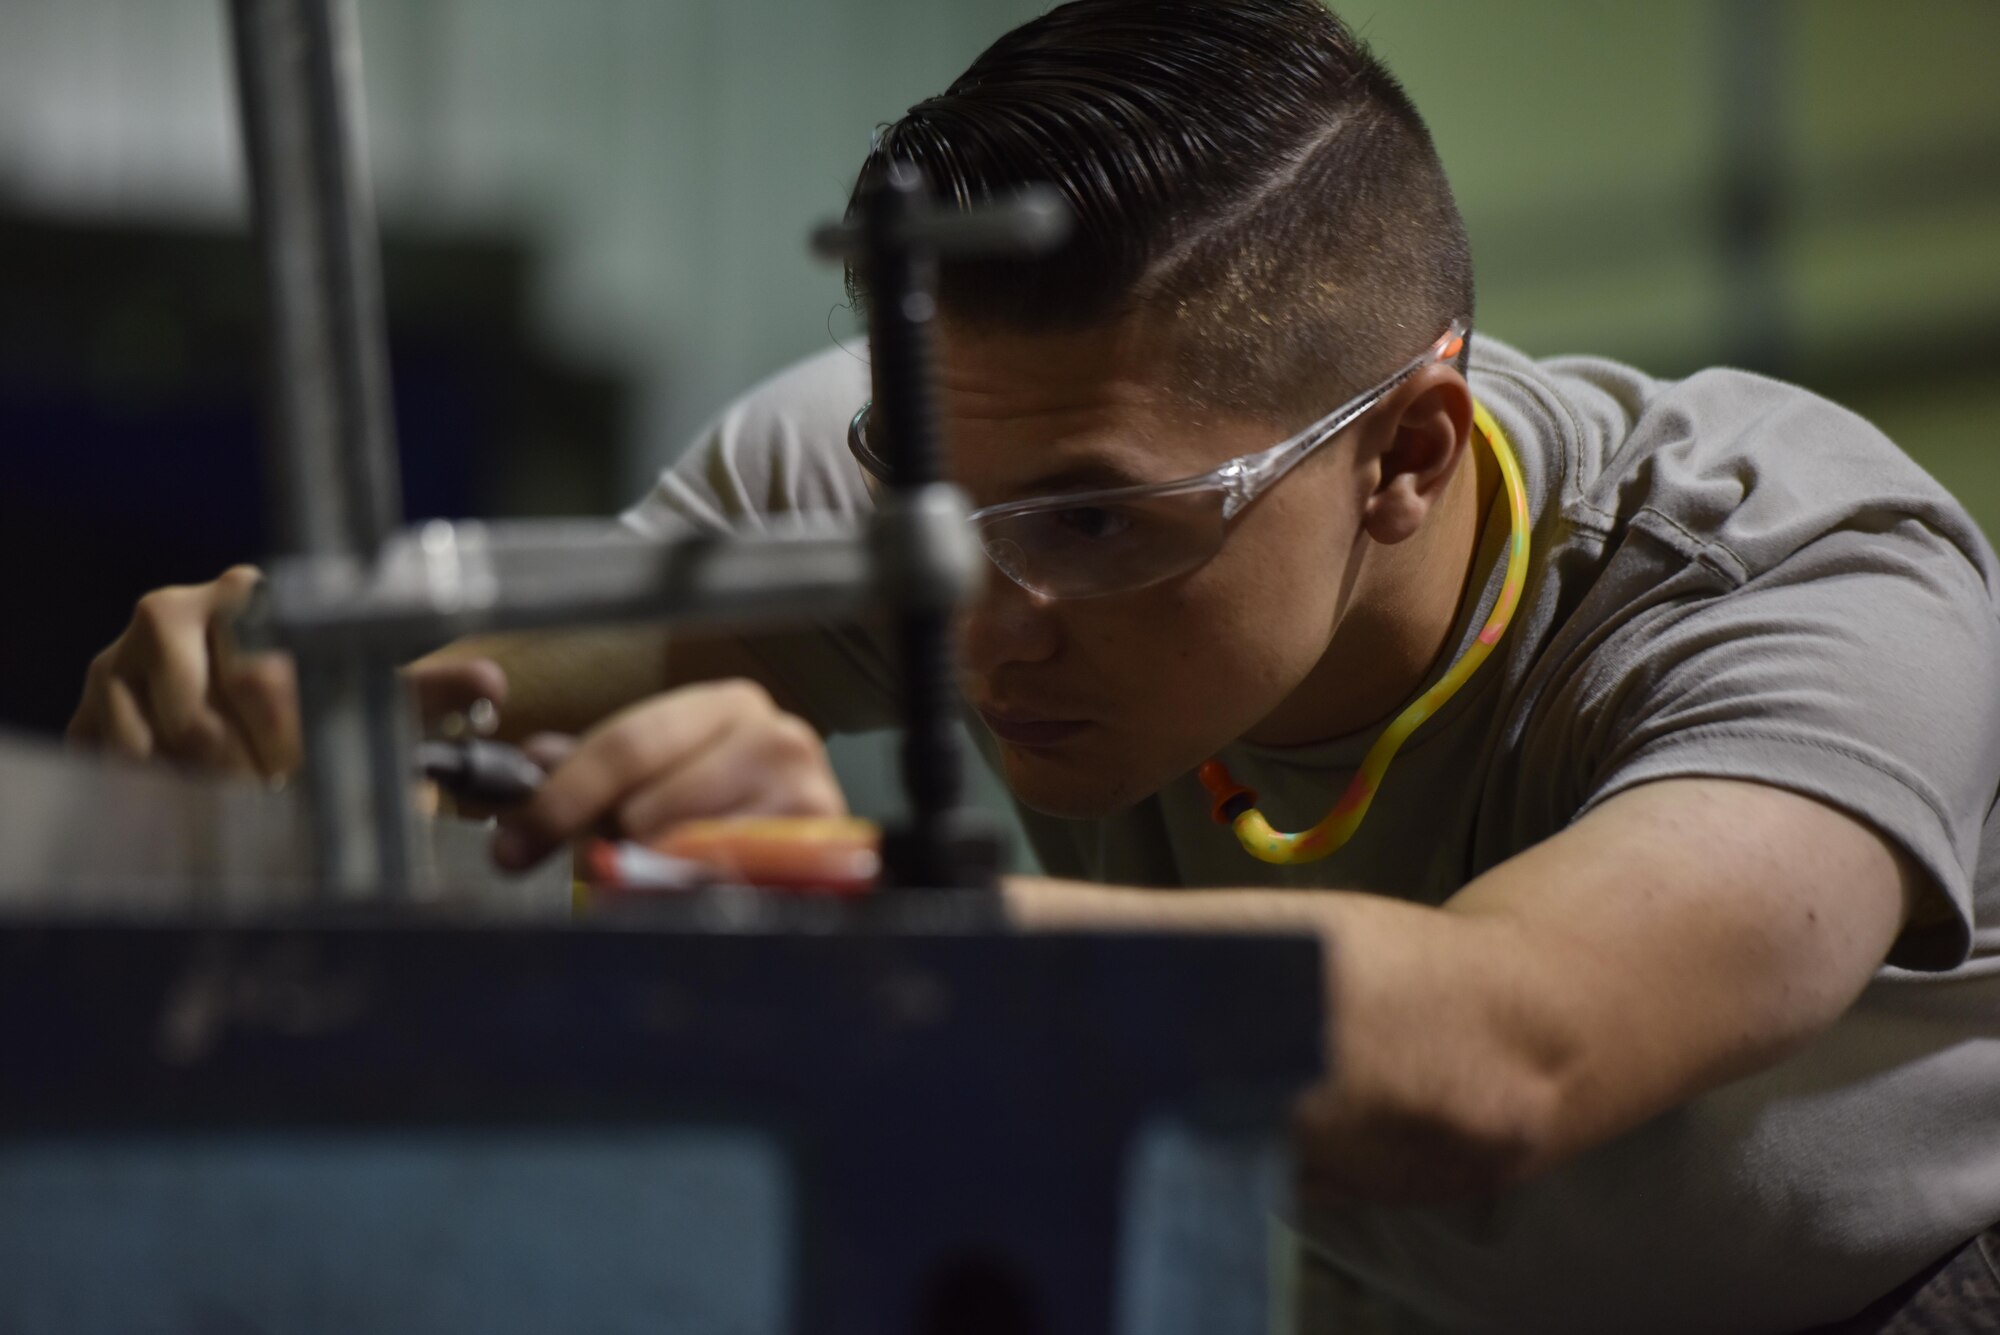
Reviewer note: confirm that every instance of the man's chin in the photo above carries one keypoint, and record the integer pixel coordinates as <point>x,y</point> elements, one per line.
<point>1068,793</point>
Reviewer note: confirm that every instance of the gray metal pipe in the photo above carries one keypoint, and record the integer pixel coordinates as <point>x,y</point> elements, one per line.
<point>330,460</point>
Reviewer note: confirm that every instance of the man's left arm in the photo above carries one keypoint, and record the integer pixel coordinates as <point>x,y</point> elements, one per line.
<point>1682,934</point>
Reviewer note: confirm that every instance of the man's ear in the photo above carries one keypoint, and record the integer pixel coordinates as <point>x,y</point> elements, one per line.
<point>1420,438</point>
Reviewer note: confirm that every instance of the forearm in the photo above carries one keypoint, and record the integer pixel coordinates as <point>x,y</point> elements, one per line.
<point>570,681</point>
<point>1681,935</point>
<point>1437,1087</point>
<point>567,681</point>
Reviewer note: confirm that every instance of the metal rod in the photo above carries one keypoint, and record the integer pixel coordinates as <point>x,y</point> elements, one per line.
<point>901,280</point>
<point>330,460</point>
<point>448,580</point>
<point>896,236</point>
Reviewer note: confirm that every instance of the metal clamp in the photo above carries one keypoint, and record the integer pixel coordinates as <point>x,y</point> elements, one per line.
<point>924,555</point>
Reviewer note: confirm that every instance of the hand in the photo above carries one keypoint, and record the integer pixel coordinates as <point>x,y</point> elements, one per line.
<point>173,686</point>
<point>719,748</point>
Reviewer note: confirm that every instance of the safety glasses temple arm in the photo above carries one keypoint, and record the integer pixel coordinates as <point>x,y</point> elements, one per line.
<point>1245,478</point>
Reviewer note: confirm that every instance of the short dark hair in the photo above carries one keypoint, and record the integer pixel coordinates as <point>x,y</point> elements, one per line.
<point>1244,168</point>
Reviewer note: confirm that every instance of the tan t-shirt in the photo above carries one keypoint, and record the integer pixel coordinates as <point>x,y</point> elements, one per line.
<point>1733,578</point>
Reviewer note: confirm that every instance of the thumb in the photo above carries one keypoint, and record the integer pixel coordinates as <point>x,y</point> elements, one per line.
<point>450,685</point>
<point>550,749</point>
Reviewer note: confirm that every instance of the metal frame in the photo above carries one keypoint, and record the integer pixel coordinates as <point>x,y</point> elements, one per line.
<point>352,597</point>
<point>330,458</point>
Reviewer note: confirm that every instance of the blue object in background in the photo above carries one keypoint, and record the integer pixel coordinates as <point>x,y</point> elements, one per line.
<point>397,1231</point>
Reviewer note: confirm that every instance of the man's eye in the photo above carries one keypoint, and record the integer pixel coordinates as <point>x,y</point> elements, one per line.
<point>1095,522</point>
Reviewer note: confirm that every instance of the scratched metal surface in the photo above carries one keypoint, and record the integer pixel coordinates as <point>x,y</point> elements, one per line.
<point>85,835</point>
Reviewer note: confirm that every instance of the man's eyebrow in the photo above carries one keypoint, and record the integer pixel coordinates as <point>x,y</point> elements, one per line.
<point>1085,475</point>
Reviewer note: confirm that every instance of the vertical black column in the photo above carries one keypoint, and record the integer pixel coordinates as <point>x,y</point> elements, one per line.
<point>933,850</point>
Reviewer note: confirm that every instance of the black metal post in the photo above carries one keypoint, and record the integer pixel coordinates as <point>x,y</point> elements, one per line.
<point>896,239</point>
<point>901,279</point>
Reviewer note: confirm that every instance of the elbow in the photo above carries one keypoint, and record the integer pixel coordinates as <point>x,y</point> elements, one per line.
<point>1426,1151</point>
<point>1519,1138</point>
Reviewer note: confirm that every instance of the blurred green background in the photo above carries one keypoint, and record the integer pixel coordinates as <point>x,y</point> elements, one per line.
<point>594,215</point>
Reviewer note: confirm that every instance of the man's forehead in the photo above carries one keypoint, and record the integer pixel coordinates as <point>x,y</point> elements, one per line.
<point>1029,413</point>
<point>1037,442</point>
<point>1000,374</point>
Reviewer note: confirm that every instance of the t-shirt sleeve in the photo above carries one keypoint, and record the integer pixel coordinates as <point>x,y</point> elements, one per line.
<point>1863,670</point>
<point>781,450</point>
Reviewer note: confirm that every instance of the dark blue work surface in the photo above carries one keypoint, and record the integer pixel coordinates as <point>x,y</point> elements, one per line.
<point>388,1128</point>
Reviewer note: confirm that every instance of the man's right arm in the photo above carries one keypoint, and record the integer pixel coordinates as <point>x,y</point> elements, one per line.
<point>172,686</point>
<point>569,681</point>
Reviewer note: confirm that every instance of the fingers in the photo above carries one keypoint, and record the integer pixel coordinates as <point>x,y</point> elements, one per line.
<point>720,748</point>
<point>778,769</point>
<point>92,724</point>
<point>126,731</point>
<point>170,687</point>
<point>260,694</point>
<point>186,723</point>
<point>647,739</point>
<point>550,749</point>
<point>450,685</point>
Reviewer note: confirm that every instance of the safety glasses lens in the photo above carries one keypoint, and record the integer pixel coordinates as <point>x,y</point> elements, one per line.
<point>1114,546</point>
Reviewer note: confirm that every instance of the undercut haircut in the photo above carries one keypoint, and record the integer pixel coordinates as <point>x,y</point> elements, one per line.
<point>1243,169</point>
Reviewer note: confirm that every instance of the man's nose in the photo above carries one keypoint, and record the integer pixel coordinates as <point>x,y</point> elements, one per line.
<point>1006,624</point>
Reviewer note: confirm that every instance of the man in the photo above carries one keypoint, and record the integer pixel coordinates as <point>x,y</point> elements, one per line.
<point>1668,938</point>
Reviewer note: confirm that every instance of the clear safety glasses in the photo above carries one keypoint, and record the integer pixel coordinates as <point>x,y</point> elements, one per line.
<point>1088,544</point>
